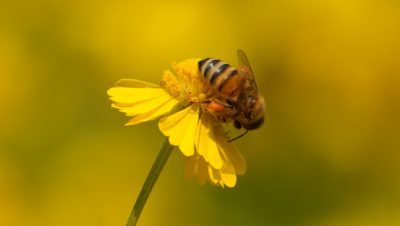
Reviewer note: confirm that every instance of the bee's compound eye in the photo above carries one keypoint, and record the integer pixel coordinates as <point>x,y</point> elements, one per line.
<point>251,101</point>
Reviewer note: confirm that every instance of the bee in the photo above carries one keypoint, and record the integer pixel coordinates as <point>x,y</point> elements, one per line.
<point>234,92</point>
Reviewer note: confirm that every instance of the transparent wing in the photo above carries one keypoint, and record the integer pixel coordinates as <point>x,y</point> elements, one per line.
<point>245,68</point>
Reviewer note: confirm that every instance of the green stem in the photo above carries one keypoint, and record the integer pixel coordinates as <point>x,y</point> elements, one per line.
<point>148,185</point>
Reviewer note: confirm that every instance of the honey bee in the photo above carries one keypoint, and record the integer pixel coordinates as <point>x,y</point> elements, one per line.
<point>234,92</point>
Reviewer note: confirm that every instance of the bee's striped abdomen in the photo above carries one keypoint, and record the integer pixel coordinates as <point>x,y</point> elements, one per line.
<point>217,73</point>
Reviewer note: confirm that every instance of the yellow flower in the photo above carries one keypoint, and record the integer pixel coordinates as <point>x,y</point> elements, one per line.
<point>179,101</point>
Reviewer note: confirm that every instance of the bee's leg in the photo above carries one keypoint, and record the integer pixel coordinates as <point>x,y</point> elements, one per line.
<point>241,135</point>
<point>230,103</point>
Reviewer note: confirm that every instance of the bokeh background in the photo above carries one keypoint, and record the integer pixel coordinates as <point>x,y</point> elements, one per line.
<point>327,155</point>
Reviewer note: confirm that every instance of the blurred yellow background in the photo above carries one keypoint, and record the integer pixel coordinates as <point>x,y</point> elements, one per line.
<point>328,153</point>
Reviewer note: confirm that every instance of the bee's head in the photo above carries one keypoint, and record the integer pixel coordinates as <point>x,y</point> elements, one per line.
<point>252,116</point>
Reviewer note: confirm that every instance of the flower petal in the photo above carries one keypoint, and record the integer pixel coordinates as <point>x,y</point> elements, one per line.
<point>181,128</point>
<point>224,176</point>
<point>202,173</point>
<point>143,100</point>
<point>129,95</point>
<point>236,158</point>
<point>214,176</point>
<point>196,166</point>
<point>228,176</point>
<point>150,114</point>
<point>144,106</point>
<point>205,141</point>
<point>229,152</point>
<point>191,166</point>
<point>134,83</point>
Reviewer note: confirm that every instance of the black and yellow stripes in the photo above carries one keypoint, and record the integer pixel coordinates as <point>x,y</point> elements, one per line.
<point>216,72</point>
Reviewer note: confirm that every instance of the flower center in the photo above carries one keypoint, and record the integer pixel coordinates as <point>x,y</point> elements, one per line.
<point>171,84</point>
<point>187,87</point>
<point>195,99</point>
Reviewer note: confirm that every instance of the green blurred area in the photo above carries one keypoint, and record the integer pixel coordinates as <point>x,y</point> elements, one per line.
<point>328,153</point>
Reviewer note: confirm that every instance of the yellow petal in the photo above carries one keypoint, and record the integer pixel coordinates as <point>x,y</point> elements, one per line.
<point>154,113</point>
<point>134,83</point>
<point>191,166</point>
<point>224,177</point>
<point>202,171</point>
<point>196,166</point>
<point>228,175</point>
<point>205,141</point>
<point>128,95</point>
<point>228,179</point>
<point>214,176</point>
<point>236,158</point>
<point>187,141</point>
<point>168,124</point>
<point>229,152</point>
<point>181,128</point>
<point>144,106</point>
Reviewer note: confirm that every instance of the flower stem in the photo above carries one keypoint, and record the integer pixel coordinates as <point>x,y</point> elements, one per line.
<point>148,185</point>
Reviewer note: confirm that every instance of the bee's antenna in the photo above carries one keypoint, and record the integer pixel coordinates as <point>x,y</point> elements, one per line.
<point>241,135</point>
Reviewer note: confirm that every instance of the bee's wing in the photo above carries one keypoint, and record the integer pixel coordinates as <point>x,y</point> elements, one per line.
<point>245,68</point>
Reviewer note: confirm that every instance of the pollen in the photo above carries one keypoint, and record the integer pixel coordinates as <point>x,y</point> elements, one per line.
<point>171,84</point>
<point>191,98</point>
